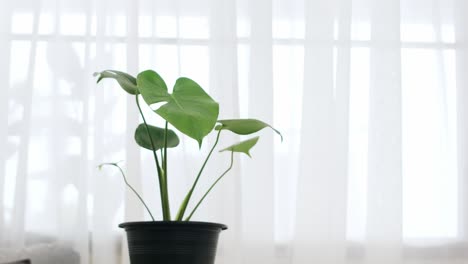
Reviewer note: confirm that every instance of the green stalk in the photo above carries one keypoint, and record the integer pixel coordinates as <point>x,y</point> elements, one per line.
<point>158,168</point>
<point>129,186</point>
<point>168,209</point>
<point>183,206</point>
<point>211,187</point>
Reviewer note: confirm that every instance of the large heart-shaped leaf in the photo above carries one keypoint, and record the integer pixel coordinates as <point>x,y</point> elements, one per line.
<point>157,134</point>
<point>189,108</point>
<point>244,126</point>
<point>126,81</point>
<point>243,146</point>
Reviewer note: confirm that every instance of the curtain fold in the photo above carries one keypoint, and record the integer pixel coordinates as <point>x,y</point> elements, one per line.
<point>4,73</point>
<point>384,207</point>
<point>370,96</point>
<point>223,55</point>
<point>461,32</point>
<point>321,195</point>
<point>258,225</point>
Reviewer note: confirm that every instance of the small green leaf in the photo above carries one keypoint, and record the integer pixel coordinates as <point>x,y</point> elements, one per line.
<point>243,146</point>
<point>244,126</point>
<point>126,81</point>
<point>157,134</point>
<point>189,108</point>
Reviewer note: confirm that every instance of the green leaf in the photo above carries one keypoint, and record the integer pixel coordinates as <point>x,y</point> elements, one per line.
<point>243,146</point>
<point>157,134</point>
<point>152,87</point>
<point>126,81</point>
<point>244,126</point>
<point>189,108</point>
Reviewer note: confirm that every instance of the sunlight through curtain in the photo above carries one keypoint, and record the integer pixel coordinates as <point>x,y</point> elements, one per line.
<point>371,97</point>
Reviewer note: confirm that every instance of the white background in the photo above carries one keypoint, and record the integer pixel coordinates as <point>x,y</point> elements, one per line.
<point>371,97</point>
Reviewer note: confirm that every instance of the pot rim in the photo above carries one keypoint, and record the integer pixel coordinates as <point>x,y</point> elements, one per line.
<point>134,224</point>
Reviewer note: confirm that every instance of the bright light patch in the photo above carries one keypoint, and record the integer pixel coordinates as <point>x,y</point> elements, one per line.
<point>194,27</point>
<point>117,25</point>
<point>358,144</point>
<point>70,195</point>
<point>166,27</point>
<point>46,23</point>
<point>361,31</point>
<point>73,24</point>
<point>430,182</point>
<point>22,23</point>
<point>20,50</point>
<point>145,26</point>
<point>417,32</point>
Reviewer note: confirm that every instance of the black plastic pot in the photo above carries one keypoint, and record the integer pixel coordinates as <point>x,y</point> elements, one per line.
<point>164,242</point>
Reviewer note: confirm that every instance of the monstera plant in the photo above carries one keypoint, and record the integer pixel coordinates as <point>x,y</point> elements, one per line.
<point>189,110</point>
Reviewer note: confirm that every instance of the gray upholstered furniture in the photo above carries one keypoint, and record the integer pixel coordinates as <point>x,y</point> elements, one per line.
<point>22,261</point>
<point>45,253</point>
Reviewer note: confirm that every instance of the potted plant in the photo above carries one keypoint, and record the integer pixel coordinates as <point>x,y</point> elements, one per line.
<point>192,112</point>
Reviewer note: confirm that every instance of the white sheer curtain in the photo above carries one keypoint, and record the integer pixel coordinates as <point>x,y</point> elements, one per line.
<point>371,97</point>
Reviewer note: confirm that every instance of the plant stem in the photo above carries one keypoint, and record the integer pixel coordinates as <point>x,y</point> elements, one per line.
<point>211,187</point>
<point>165,171</point>
<point>183,206</point>
<point>129,186</point>
<point>158,168</point>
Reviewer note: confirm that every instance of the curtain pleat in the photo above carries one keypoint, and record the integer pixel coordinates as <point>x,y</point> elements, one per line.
<point>258,210</point>
<point>20,193</point>
<point>384,187</point>
<point>133,208</point>
<point>109,104</point>
<point>321,194</point>
<point>5,48</point>
<point>461,35</point>
<point>224,87</point>
<point>82,183</point>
